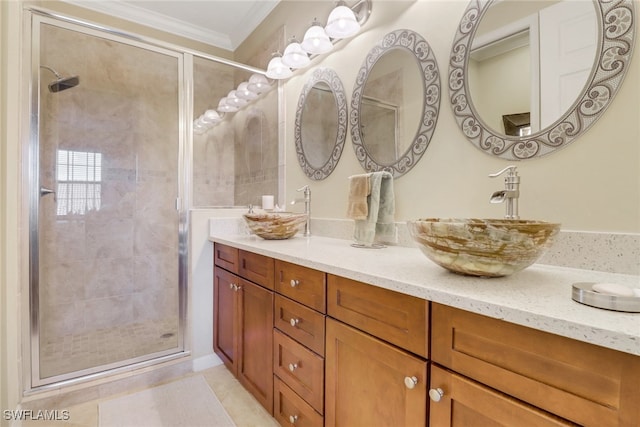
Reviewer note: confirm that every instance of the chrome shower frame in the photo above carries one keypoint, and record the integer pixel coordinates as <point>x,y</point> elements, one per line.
<point>34,17</point>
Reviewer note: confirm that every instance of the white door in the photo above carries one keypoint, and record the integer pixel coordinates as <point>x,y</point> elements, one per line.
<point>568,36</point>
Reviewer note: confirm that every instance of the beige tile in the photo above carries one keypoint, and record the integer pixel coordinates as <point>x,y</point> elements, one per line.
<point>239,404</point>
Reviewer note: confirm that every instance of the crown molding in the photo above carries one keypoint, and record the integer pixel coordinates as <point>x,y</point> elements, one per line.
<point>161,22</point>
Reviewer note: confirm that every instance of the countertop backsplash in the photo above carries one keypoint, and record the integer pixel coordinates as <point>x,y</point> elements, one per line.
<point>598,251</point>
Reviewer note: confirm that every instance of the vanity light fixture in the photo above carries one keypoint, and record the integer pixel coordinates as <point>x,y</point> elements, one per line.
<point>342,22</point>
<point>244,92</point>
<point>294,56</point>
<point>210,117</point>
<point>316,41</point>
<point>258,84</point>
<point>234,100</point>
<point>225,107</point>
<point>277,70</point>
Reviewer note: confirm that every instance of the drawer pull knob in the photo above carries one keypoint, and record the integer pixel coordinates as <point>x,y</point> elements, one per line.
<point>410,382</point>
<point>293,366</point>
<point>231,285</point>
<point>294,322</point>
<point>294,283</point>
<point>293,419</point>
<point>436,394</point>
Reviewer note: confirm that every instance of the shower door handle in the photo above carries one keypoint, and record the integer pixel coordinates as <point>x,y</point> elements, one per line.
<point>44,191</point>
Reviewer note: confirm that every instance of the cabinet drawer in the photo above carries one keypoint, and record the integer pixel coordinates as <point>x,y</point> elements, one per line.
<point>467,403</point>
<point>584,383</point>
<point>225,257</point>
<point>301,323</point>
<point>394,317</point>
<point>290,409</point>
<point>302,284</point>
<point>257,268</point>
<point>299,368</point>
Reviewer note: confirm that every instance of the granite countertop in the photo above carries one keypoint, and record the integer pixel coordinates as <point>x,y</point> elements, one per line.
<point>538,297</point>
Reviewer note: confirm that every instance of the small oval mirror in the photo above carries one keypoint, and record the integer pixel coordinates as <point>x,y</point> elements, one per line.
<point>395,104</point>
<point>321,124</point>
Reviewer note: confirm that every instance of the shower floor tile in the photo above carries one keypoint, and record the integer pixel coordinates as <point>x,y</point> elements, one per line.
<point>71,353</point>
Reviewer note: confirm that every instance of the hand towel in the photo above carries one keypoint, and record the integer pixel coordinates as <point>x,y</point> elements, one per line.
<point>385,224</point>
<point>379,224</point>
<point>359,189</point>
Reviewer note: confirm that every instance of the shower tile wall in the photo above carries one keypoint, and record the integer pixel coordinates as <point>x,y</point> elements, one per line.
<point>112,268</point>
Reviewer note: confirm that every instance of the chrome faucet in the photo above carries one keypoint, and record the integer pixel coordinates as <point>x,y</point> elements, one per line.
<point>508,196</point>
<point>307,208</point>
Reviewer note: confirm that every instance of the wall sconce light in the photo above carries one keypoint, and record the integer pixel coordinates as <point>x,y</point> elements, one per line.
<point>277,70</point>
<point>234,100</point>
<point>224,107</point>
<point>342,22</point>
<point>244,92</point>
<point>258,84</point>
<point>294,56</point>
<point>211,117</point>
<point>316,41</point>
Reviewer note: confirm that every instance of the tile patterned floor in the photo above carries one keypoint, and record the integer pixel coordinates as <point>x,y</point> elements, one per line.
<point>241,406</point>
<point>60,355</point>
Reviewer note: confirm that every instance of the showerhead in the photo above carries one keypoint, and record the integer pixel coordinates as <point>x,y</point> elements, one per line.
<point>61,83</point>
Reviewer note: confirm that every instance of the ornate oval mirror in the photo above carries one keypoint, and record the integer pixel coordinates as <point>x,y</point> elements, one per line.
<point>395,103</point>
<point>321,124</point>
<point>528,77</point>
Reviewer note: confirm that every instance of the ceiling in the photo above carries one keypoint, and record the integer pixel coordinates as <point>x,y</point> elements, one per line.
<point>221,23</point>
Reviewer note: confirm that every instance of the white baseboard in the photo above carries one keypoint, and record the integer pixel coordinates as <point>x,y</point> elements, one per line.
<point>206,362</point>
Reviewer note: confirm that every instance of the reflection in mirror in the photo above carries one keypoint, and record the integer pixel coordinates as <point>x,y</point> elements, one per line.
<point>395,103</point>
<point>236,161</point>
<point>318,124</point>
<point>525,86</point>
<point>391,106</point>
<point>321,124</point>
<point>540,53</point>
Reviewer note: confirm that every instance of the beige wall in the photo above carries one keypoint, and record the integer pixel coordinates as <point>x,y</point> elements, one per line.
<point>9,204</point>
<point>592,185</point>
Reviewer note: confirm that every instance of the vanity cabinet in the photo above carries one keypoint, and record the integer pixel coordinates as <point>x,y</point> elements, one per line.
<point>243,318</point>
<point>468,403</point>
<point>299,345</point>
<point>376,349</point>
<point>577,381</point>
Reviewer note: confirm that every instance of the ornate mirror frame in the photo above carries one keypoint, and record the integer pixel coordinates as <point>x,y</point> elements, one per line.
<point>415,44</point>
<point>615,46</point>
<point>328,76</point>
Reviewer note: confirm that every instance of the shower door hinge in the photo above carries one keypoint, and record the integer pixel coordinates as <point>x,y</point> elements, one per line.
<point>178,203</point>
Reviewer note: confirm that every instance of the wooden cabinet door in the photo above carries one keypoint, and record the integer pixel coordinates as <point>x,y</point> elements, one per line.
<point>578,381</point>
<point>225,318</point>
<point>255,308</point>
<point>365,381</point>
<point>465,403</point>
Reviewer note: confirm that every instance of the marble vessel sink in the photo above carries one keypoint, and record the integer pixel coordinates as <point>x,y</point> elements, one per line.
<point>483,247</point>
<point>275,226</point>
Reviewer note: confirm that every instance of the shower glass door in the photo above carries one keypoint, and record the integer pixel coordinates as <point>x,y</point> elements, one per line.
<point>106,267</point>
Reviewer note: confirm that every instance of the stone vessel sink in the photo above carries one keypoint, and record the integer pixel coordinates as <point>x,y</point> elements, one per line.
<point>275,226</point>
<point>483,247</point>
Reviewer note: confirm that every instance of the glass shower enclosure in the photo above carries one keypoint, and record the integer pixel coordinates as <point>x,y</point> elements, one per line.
<point>107,222</point>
